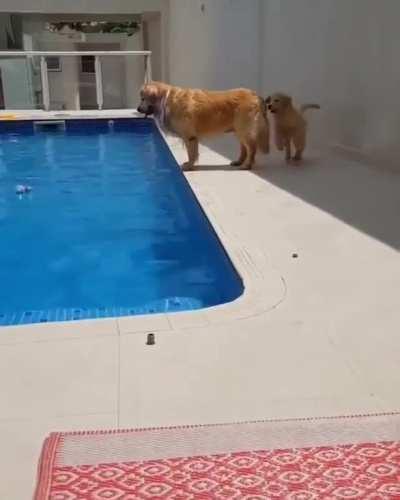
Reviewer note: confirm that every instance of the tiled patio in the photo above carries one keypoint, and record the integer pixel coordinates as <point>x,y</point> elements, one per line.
<point>315,335</point>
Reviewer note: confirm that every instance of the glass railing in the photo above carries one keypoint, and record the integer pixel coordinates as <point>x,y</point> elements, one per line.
<point>20,83</point>
<point>73,80</point>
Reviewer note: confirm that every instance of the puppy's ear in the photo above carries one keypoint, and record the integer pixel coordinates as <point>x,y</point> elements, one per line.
<point>268,100</point>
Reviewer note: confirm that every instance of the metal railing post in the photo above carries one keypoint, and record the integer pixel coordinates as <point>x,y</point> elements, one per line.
<point>45,83</point>
<point>99,82</point>
<point>147,71</point>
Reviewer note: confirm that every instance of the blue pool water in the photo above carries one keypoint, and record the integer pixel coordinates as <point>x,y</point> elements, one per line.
<point>110,228</point>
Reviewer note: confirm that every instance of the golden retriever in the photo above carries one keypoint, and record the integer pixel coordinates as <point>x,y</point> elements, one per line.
<point>193,114</point>
<point>289,124</point>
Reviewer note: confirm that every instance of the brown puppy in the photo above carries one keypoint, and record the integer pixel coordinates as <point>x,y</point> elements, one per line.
<point>289,124</point>
<point>193,114</point>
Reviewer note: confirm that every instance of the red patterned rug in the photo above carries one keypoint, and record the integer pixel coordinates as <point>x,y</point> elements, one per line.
<point>327,458</point>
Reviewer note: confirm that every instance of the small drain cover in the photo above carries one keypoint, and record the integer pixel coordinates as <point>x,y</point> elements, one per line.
<point>150,339</point>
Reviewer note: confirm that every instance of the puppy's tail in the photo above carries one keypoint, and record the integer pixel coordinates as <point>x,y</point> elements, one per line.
<point>262,128</point>
<point>305,107</point>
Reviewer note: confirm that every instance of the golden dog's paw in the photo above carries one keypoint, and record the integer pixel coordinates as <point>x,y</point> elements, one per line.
<point>187,166</point>
<point>246,166</point>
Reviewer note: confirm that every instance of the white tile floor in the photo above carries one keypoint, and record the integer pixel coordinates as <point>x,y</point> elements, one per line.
<point>21,441</point>
<point>77,376</point>
<point>315,335</point>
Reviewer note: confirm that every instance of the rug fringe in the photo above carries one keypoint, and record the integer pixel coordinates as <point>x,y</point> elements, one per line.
<point>45,466</point>
<point>224,424</point>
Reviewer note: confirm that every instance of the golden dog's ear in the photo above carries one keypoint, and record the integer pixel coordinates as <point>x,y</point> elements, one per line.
<point>154,90</point>
<point>150,91</point>
<point>287,101</point>
<point>142,92</point>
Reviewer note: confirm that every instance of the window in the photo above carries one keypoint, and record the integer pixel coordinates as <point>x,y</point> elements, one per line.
<point>53,63</point>
<point>87,64</point>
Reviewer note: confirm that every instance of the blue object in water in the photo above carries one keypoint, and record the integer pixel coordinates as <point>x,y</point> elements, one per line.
<point>114,228</point>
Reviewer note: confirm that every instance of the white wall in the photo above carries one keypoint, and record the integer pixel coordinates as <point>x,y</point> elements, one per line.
<point>342,54</point>
<point>345,55</point>
<point>152,32</point>
<point>215,47</point>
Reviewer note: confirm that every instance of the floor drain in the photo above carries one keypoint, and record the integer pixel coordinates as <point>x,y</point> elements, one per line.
<point>295,255</point>
<point>150,339</point>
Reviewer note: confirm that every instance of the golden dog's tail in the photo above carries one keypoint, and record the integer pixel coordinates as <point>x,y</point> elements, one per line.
<point>305,107</point>
<point>262,128</point>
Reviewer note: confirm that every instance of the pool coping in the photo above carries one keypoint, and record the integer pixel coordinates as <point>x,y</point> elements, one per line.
<point>264,286</point>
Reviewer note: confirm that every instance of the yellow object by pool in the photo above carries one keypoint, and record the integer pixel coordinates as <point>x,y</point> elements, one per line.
<point>7,117</point>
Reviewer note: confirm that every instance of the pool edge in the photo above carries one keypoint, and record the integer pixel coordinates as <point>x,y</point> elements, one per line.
<point>262,292</point>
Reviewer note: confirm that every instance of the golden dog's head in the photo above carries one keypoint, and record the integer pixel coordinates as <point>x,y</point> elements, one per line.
<point>151,95</point>
<point>278,102</point>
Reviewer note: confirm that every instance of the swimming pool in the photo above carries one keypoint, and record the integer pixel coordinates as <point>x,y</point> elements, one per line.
<point>110,227</point>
